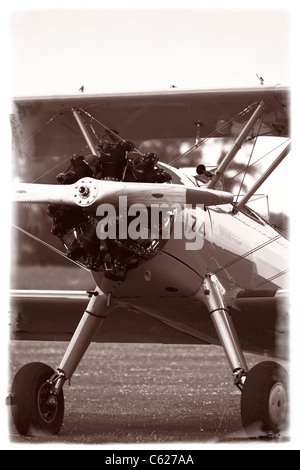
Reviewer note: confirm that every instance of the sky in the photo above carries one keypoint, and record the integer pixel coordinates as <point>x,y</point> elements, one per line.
<point>59,50</point>
<point>64,45</point>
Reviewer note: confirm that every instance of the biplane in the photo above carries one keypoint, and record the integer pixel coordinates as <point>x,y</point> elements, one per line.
<point>175,257</point>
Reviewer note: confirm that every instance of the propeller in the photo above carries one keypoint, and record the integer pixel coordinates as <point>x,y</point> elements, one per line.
<point>90,192</point>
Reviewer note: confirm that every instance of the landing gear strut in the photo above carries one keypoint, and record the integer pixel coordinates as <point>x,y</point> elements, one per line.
<point>214,296</point>
<point>264,388</point>
<point>37,401</point>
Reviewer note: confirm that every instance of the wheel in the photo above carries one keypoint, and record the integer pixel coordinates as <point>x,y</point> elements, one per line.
<point>264,402</point>
<point>35,410</point>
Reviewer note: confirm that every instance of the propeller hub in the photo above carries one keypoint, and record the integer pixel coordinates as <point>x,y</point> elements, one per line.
<point>85,192</point>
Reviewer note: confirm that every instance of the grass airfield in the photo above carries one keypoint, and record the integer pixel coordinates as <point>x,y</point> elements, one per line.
<point>141,394</point>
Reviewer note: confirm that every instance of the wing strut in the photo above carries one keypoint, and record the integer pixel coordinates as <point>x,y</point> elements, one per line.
<point>237,145</point>
<point>262,179</point>
<point>85,132</point>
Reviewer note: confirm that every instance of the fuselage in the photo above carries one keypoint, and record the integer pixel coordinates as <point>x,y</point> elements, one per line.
<point>245,251</point>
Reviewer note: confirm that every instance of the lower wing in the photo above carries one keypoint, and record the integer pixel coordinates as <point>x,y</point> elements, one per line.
<point>260,319</point>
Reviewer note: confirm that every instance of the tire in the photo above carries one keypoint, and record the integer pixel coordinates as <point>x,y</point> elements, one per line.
<point>264,401</point>
<point>31,412</point>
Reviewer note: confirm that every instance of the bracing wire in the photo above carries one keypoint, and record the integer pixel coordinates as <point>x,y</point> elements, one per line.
<point>272,278</point>
<point>42,127</point>
<point>49,171</point>
<point>259,159</point>
<point>245,255</point>
<point>56,250</point>
<point>194,147</point>
<point>107,128</point>
<point>250,156</point>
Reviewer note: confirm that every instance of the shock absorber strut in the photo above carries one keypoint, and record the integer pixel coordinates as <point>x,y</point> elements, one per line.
<point>214,295</point>
<point>97,310</point>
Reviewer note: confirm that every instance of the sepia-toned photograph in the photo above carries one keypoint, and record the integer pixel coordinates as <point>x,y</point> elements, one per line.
<point>149,295</point>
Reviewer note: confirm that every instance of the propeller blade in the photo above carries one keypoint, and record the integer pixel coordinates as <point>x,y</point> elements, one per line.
<point>89,192</point>
<point>208,197</point>
<point>43,193</point>
<point>157,193</point>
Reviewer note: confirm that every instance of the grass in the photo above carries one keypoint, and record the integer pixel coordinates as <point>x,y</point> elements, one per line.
<point>141,393</point>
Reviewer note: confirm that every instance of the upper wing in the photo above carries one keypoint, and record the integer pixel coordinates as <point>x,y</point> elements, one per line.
<point>45,126</point>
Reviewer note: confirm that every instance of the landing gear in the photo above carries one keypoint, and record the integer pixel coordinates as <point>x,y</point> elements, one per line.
<point>264,388</point>
<point>35,408</point>
<point>264,401</point>
<point>37,401</point>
